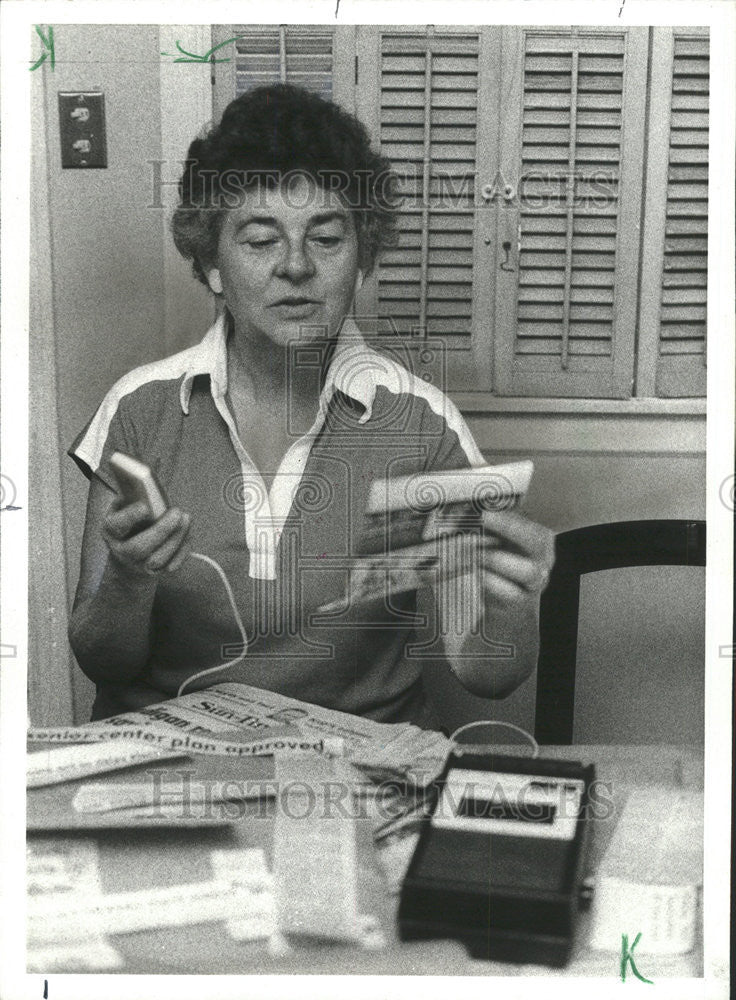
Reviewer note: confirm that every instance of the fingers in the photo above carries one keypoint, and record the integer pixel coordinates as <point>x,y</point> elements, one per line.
<point>513,557</point>
<point>526,536</point>
<point>516,555</point>
<point>163,557</point>
<point>133,526</point>
<point>181,555</point>
<point>144,547</point>
<point>502,590</point>
<point>507,576</point>
<point>122,521</point>
<point>528,574</point>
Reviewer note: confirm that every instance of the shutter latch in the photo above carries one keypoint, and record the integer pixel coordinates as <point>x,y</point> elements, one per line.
<point>506,264</point>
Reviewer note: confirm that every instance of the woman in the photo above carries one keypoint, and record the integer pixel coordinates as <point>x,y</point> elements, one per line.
<point>266,437</point>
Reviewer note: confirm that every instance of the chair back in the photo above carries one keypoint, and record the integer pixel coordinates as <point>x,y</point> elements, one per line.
<point>589,550</point>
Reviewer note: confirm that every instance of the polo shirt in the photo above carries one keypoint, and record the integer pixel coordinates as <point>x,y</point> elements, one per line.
<point>285,551</point>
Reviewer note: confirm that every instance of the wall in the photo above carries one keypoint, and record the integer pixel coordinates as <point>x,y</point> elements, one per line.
<point>112,309</point>
<point>106,244</point>
<point>116,299</point>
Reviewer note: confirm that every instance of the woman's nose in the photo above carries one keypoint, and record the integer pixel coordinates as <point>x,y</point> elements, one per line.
<point>296,264</point>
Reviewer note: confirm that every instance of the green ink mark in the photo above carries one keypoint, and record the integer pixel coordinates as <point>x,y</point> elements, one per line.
<point>627,957</point>
<point>192,57</point>
<point>49,45</point>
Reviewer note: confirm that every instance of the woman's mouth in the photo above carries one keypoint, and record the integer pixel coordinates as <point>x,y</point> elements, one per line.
<point>297,306</point>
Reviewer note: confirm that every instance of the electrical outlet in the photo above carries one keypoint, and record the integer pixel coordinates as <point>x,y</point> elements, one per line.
<point>82,129</point>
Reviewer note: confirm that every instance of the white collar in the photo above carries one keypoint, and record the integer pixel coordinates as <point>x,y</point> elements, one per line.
<point>354,370</point>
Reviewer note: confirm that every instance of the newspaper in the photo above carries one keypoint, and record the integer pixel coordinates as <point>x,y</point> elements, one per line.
<point>237,720</point>
<point>70,763</point>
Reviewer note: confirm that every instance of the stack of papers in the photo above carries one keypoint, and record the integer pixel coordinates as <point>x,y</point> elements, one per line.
<point>196,762</point>
<point>649,877</point>
<point>70,763</point>
<point>71,918</point>
<point>124,784</point>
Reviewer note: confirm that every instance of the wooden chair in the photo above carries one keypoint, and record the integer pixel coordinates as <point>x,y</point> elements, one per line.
<point>588,550</point>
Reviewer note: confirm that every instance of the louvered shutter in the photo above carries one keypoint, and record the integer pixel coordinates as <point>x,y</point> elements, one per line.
<point>305,54</point>
<point>566,302</point>
<point>674,276</point>
<point>681,367</point>
<point>429,97</point>
<point>299,54</point>
<point>421,92</point>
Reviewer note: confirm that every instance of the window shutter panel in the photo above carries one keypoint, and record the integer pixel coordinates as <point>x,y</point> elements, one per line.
<point>299,54</point>
<point>427,96</point>
<point>683,296</point>
<point>427,123</point>
<point>566,318</point>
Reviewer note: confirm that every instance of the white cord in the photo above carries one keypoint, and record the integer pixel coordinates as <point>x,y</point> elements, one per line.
<point>244,638</point>
<point>238,620</point>
<point>493,722</point>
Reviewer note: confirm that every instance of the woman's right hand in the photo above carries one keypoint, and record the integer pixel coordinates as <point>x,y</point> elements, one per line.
<point>143,548</point>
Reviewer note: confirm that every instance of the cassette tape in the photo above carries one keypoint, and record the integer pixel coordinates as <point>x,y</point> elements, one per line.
<point>499,864</point>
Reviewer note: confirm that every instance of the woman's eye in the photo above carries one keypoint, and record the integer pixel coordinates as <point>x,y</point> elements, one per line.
<point>261,243</point>
<point>326,241</point>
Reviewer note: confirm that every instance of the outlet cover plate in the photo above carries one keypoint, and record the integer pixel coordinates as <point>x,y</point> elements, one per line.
<point>82,129</point>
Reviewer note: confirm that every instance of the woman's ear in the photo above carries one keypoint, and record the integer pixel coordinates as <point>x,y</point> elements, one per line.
<point>358,281</point>
<point>214,280</point>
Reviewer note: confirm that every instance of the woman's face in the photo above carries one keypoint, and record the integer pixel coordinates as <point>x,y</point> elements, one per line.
<point>287,259</point>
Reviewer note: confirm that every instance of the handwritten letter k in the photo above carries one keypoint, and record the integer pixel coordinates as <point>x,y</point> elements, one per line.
<point>627,957</point>
<point>48,45</point>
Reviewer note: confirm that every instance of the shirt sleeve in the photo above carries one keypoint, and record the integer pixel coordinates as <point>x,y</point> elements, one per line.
<point>108,431</point>
<point>455,446</point>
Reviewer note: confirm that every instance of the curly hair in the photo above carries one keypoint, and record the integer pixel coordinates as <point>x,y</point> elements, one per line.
<point>265,135</point>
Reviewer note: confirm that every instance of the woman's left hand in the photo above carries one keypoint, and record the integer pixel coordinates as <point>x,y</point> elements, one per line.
<point>489,585</point>
<point>511,559</point>
<point>516,556</point>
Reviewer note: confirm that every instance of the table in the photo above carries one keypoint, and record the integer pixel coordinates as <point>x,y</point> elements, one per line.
<point>130,861</point>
